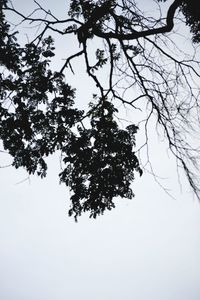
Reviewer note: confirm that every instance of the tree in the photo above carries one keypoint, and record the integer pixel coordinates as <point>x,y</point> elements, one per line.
<point>139,52</point>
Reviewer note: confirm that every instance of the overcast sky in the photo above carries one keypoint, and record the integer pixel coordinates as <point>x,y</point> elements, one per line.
<point>145,249</point>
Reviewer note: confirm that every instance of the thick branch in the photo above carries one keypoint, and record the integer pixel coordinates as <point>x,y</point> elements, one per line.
<point>135,34</point>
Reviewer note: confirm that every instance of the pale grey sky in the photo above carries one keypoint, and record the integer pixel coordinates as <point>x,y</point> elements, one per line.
<point>145,249</point>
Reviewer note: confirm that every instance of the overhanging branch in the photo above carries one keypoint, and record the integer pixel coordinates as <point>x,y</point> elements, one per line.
<point>135,34</point>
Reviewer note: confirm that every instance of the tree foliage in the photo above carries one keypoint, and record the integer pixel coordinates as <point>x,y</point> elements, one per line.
<point>38,115</point>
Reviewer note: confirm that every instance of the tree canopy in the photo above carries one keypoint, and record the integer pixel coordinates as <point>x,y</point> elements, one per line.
<point>122,48</point>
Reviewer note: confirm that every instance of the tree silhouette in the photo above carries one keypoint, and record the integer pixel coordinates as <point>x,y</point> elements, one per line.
<point>138,52</point>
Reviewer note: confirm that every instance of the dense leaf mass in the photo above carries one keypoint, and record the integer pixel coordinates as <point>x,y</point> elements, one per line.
<point>37,117</point>
<point>100,163</point>
<point>36,109</point>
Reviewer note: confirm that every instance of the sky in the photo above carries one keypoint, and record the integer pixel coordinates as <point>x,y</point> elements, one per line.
<point>145,249</point>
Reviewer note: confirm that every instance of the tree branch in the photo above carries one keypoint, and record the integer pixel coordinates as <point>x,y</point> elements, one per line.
<point>135,34</point>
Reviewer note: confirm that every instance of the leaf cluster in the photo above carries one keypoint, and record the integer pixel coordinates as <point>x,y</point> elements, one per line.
<point>36,108</point>
<point>37,118</point>
<point>100,163</point>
